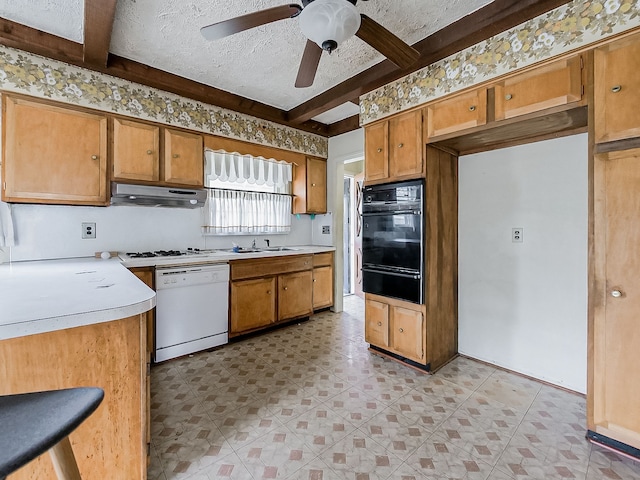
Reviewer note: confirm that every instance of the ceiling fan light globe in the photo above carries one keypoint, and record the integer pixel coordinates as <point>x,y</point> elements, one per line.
<point>329,20</point>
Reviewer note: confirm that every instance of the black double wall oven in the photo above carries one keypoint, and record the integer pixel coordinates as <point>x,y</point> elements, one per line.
<point>393,240</point>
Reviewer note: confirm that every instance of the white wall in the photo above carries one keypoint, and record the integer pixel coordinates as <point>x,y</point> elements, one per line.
<point>348,146</point>
<point>523,306</point>
<point>51,231</point>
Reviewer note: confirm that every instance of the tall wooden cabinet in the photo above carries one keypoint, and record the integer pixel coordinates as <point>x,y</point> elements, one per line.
<point>53,155</point>
<point>426,334</point>
<point>614,389</point>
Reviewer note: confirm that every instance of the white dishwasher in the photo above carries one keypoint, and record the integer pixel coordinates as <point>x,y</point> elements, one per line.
<point>192,305</point>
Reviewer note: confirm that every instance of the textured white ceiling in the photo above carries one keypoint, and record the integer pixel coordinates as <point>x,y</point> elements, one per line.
<point>261,63</point>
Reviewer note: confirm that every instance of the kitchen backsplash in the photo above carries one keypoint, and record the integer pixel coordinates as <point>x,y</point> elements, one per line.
<point>567,28</point>
<point>30,74</point>
<point>54,231</point>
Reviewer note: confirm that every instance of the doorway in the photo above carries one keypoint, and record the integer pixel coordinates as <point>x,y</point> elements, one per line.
<point>352,228</point>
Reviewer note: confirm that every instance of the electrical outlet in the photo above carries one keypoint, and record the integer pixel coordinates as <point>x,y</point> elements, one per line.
<point>517,234</point>
<point>88,230</point>
<point>326,229</point>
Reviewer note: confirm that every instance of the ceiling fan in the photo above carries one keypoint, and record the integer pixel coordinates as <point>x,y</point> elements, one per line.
<point>326,24</point>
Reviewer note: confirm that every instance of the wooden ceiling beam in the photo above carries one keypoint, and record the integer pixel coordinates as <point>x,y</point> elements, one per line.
<point>35,41</point>
<point>98,25</point>
<point>495,18</point>
<point>344,126</point>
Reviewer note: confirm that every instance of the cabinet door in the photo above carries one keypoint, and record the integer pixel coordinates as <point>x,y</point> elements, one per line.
<point>316,185</point>
<point>53,155</point>
<point>253,304</point>
<point>615,336</point>
<point>463,111</point>
<point>376,151</point>
<point>135,151</point>
<point>617,90</point>
<point>556,84</point>
<point>183,158</point>
<point>405,144</point>
<point>322,287</point>
<point>376,324</point>
<point>294,295</point>
<point>407,333</point>
<point>147,275</point>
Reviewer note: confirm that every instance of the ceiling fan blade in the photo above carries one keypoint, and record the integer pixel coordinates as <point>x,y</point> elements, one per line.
<point>225,28</point>
<point>308,65</point>
<point>392,47</point>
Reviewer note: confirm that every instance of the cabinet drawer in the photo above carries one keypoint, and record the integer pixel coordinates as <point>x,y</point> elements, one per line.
<point>260,267</point>
<point>461,112</point>
<point>323,259</point>
<point>557,84</point>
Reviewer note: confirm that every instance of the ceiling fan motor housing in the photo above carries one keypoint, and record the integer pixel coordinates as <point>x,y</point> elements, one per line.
<point>329,22</point>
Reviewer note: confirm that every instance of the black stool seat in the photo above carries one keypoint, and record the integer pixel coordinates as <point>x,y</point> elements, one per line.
<point>32,423</point>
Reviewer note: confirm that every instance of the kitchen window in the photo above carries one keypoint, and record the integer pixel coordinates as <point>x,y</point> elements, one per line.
<point>246,194</point>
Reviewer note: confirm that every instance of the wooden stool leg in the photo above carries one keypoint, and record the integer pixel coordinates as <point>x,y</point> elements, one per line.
<point>64,462</point>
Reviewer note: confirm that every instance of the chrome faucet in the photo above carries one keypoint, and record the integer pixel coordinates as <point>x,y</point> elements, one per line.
<point>267,240</point>
<point>253,245</point>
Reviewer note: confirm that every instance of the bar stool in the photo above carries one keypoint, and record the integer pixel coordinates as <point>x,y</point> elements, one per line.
<point>32,423</point>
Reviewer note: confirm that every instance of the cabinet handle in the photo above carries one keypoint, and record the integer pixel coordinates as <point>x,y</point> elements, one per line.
<point>616,293</point>
<point>401,145</point>
<point>472,108</point>
<point>379,150</point>
<point>379,324</point>
<point>94,157</point>
<point>149,152</point>
<point>616,88</point>
<point>314,280</point>
<point>508,96</point>
<point>313,184</point>
<point>175,155</point>
<point>285,288</point>
<point>401,330</point>
<point>268,292</point>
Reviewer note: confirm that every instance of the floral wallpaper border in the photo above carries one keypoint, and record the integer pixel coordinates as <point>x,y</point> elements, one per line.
<point>566,28</point>
<point>42,77</point>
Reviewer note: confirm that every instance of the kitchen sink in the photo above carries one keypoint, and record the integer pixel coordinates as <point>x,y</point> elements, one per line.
<point>258,250</point>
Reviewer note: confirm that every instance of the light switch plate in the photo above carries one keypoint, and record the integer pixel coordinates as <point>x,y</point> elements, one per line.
<point>517,235</point>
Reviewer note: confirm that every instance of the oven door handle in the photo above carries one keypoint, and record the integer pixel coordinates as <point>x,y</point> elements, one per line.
<point>414,276</point>
<point>392,212</point>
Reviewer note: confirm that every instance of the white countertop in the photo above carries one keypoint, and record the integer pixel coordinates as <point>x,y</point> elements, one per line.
<point>221,256</point>
<point>48,295</point>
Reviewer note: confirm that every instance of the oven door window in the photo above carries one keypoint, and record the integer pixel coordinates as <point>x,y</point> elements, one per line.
<point>392,240</point>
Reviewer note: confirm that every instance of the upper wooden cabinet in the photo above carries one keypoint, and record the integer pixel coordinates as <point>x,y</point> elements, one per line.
<point>183,158</point>
<point>310,186</point>
<point>457,113</point>
<point>558,83</point>
<point>53,155</point>
<point>394,148</point>
<point>617,90</point>
<point>136,154</point>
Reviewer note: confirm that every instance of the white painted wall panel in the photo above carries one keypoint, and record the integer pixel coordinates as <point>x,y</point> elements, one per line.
<point>523,306</point>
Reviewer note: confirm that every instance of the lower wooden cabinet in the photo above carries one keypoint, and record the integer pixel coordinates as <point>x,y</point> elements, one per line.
<point>253,304</point>
<point>396,326</point>
<point>294,295</point>
<point>322,280</point>
<point>147,275</point>
<point>112,442</point>
<point>265,291</point>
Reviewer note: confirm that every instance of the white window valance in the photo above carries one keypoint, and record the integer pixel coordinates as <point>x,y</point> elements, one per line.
<point>236,167</point>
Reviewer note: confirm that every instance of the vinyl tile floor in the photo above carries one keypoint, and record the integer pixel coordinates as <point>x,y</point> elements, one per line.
<point>310,402</point>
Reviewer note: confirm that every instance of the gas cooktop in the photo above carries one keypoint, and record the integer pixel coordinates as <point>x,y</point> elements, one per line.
<point>166,253</point>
